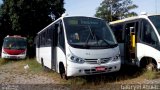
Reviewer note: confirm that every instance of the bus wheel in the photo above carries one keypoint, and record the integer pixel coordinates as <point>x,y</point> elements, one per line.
<point>62,72</point>
<point>151,67</point>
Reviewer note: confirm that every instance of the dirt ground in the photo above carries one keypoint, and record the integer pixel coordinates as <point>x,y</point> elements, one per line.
<point>14,73</point>
<point>14,76</point>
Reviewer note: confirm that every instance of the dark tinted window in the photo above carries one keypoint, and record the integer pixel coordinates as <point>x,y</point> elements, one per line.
<point>61,36</point>
<point>118,32</point>
<point>44,39</point>
<point>86,32</point>
<point>15,43</point>
<point>148,34</point>
<point>156,21</point>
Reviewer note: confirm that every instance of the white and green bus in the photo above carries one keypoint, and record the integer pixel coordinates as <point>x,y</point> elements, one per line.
<point>139,40</point>
<point>78,45</point>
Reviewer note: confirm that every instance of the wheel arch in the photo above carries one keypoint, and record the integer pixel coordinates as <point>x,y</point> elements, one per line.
<point>146,60</point>
<point>61,65</point>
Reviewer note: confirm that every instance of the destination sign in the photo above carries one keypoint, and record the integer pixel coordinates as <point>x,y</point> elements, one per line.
<point>83,21</point>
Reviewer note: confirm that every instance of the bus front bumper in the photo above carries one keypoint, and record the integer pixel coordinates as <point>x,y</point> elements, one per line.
<point>92,69</point>
<point>14,56</point>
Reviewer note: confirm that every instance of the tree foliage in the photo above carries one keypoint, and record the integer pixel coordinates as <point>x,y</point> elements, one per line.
<point>111,10</point>
<point>27,17</point>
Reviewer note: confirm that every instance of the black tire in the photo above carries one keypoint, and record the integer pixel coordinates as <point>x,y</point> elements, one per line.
<point>62,72</point>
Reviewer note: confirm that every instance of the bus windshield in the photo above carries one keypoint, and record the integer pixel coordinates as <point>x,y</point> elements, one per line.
<point>15,43</point>
<point>156,21</point>
<point>85,32</point>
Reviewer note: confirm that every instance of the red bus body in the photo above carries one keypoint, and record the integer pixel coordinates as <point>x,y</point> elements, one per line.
<point>14,47</point>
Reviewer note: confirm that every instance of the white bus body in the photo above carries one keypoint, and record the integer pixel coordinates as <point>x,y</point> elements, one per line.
<point>139,40</point>
<point>14,47</point>
<point>77,45</point>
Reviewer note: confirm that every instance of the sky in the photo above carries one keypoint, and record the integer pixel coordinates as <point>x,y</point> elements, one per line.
<point>89,7</point>
<point>81,7</point>
<point>149,6</point>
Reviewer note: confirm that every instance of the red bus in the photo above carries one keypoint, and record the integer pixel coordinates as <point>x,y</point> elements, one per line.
<point>14,47</point>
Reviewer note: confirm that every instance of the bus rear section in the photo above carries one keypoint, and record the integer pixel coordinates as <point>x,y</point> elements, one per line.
<point>78,46</point>
<point>139,40</point>
<point>14,47</point>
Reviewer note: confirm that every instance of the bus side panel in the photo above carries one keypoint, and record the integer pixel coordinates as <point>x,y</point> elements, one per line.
<point>37,55</point>
<point>60,58</point>
<point>45,55</point>
<point>148,51</point>
<point>140,51</point>
<point>53,49</point>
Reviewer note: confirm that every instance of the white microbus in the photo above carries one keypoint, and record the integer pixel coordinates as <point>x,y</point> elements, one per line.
<point>139,40</point>
<point>14,47</point>
<point>78,45</point>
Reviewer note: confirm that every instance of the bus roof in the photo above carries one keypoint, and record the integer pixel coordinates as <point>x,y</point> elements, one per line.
<point>131,18</point>
<point>62,18</point>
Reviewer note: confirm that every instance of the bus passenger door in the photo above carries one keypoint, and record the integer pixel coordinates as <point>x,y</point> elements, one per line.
<point>53,46</point>
<point>61,57</point>
<point>130,42</point>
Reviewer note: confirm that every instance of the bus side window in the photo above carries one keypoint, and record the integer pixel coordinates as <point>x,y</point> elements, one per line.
<point>37,41</point>
<point>49,35</point>
<point>55,35</point>
<point>118,31</point>
<point>42,39</point>
<point>61,40</point>
<point>148,34</point>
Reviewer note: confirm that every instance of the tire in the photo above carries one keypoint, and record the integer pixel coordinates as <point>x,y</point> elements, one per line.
<point>62,72</point>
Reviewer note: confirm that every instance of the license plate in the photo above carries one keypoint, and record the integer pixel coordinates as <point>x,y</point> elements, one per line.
<point>100,68</point>
<point>13,57</point>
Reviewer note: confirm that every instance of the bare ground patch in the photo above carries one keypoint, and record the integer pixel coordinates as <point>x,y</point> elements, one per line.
<point>13,72</point>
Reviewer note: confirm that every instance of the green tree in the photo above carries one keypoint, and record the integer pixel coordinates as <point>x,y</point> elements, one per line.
<point>111,10</point>
<point>4,26</point>
<point>27,17</point>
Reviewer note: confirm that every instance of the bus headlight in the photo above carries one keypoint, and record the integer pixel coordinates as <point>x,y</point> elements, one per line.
<point>116,58</point>
<point>76,59</point>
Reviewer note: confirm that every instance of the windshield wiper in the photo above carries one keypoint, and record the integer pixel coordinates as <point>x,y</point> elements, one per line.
<point>90,34</point>
<point>105,41</point>
<point>109,44</point>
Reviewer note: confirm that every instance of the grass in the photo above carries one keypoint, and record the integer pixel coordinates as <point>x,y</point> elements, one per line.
<point>150,74</point>
<point>34,65</point>
<point>126,75</point>
<point>4,62</point>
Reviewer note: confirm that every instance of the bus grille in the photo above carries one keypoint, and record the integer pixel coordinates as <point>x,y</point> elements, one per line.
<point>98,61</point>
